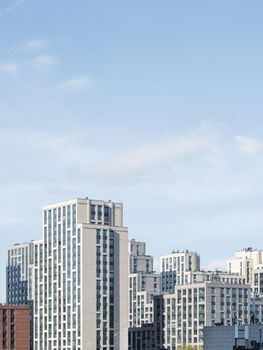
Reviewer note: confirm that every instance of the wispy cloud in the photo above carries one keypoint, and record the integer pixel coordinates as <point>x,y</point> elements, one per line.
<point>42,62</point>
<point>170,175</point>
<point>249,146</point>
<point>35,45</point>
<point>75,84</point>
<point>163,153</point>
<point>8,68</point>
<point>13,7</point>
<point>65,153</point>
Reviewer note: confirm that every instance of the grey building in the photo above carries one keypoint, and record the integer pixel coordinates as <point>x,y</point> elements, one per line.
<point>139,261</point>
<point>227,337</point>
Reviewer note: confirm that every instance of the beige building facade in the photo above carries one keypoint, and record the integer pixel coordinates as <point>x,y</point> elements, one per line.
<point>81,277</point>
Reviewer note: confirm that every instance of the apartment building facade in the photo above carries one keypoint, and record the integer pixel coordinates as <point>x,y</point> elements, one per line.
<point>19,274</point>
<point>245,262</point>
<point>144,285</point>
<point>176,267</point>
<point>191,307</point>
<point>81,277</point>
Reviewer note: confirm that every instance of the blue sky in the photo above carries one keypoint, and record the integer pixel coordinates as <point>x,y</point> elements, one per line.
<point>155,103</point>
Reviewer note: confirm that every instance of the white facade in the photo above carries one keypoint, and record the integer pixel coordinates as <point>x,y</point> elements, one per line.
<point>191,307</point>
<point>175,268</point>
<point>142,289</point>
<point>257,281</point>
<point>215,276</point>
<point>81,277</point>
<point>144,284</point>
<point>244,262</point>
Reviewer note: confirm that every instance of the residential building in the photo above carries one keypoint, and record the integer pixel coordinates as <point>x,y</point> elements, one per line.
<point>19,274</point>
<point>192,307</point>
<point>215,276</point>
<point>139,261</point>
<point>256,310</point>
<point>175,269</point>
<point>257,280</point>
<point>144,285</point>
<point>81,277</point>
<point>150,335</point>
<point>19,279</point>
<point>244,262</point>
<point>14,327</point>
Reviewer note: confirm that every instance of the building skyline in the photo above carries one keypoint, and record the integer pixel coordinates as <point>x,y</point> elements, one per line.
<point>86,284</point>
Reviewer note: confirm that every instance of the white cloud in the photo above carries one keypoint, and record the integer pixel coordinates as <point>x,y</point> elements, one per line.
<point>162,153</point>
<point>42,62</point>
<point>223,200</point>
<point>8,68</point>
<point>249,146</point>
<point>36,44</point>
<point>13,7</point>
<point>65,154</point>
<point>77,83</point>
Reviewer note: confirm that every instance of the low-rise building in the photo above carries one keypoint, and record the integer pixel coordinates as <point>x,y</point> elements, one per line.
<point>14,327</point>
<point>228,337</point>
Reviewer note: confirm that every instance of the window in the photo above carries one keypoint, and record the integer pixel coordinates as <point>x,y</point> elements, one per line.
<point>93,212</point>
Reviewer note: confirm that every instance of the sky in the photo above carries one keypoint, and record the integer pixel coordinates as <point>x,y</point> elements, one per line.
<point>157,104</point>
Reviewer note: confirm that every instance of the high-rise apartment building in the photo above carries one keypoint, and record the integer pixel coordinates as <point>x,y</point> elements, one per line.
<point>176,267</point>
<point>257,281</point>
<point>191,307</point>
<point>244,262</point>
<point>81,277</point>
<point>19,278</point>
<point>144,285</point>
<point>19,274</point>
<point>139,261</point>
